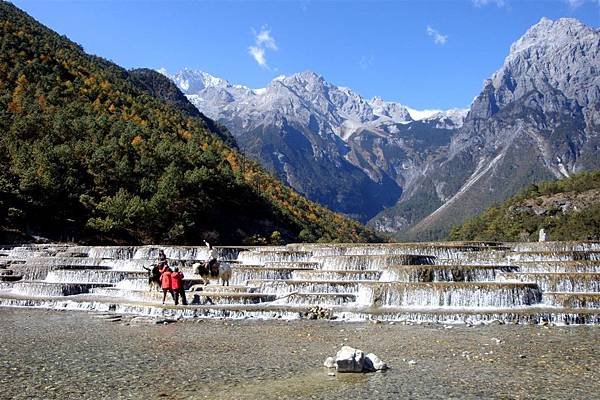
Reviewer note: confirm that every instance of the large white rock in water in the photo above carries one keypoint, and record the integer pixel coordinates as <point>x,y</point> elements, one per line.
<point>374,363</point>
<point>349,359</point>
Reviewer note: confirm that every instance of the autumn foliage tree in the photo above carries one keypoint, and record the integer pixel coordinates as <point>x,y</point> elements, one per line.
<point>94,152</point>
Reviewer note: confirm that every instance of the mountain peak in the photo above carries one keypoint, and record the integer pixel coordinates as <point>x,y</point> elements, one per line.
<point>551,34</point>
<point>192,81</point>
<point>307,77</point>
<point>559,53</point>
<point>308,74</point>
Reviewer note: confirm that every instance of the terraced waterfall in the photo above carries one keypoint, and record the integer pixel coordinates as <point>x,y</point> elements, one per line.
<point>435,282</point>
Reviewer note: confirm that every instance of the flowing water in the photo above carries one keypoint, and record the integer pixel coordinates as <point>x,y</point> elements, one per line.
<point>435,282</point>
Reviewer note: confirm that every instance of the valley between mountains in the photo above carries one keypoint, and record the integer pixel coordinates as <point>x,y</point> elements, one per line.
<point>414,174</point>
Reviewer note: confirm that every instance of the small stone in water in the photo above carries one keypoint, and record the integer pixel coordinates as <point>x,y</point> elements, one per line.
<point>329,362</point>
<point>412,362</point>
<point>165,321</point>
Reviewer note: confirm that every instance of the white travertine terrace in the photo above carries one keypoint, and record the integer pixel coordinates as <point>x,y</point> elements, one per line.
<point>435,282</point>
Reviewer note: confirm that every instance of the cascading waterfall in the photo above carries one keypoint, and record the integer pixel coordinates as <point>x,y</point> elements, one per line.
<point>241,274</point>
<point>559,266</point>
<point>91,276</point>
<point>43,289</point>
<point>560,282</point>
<point>260,257</point>
<point>556,256</point>
<point>449,273</point>
<point>175,253</point>
<point>292,264</point>
<point>448,294</point>
<point>572,300</point>
<point>321,299</point>
<point>523,282</point>
<point>128,264</point>
<point>281,288</point>
<point>133,284</point>
<point>331,275</point>
<point>371,263</point>
<point>112,252</point>
<point>555,246</point>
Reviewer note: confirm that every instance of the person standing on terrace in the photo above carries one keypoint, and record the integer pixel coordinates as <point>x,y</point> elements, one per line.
<point>177,286</point>
<point>165,283</point>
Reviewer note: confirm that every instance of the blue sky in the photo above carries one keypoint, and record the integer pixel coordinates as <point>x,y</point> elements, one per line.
<point>425,54</point>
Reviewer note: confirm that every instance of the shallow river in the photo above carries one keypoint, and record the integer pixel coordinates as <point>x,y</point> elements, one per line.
<point>68,355</point>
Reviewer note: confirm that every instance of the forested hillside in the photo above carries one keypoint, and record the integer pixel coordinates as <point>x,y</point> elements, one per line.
<point>568,209</point>
<point>88,152</point>
<point>161,87</point>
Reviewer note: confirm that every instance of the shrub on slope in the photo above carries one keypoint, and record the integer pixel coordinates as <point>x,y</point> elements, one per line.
<point>85,153</point>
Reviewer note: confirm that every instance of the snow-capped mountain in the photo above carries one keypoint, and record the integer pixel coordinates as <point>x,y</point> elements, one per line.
<point>190,81</point>
<point>537,117</point>
<point>300,96</point>
<point>349,153</point>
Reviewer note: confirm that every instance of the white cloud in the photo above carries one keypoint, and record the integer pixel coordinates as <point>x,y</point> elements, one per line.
<point>264,38</point>
<point>438,38</point>
<point>258,53</point>
<point>481,3</point>
<point>262,41</point>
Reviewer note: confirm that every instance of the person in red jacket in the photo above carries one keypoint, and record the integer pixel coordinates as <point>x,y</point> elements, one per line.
<point>165,283</point>
<point>177,286</point>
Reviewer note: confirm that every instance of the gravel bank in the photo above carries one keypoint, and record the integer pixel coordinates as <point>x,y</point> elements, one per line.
<point>68,355</point>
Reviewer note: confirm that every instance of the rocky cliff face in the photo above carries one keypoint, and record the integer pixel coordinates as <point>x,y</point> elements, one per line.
<point>414,174</point>
<point>536,118</point>
<point>352,154</point>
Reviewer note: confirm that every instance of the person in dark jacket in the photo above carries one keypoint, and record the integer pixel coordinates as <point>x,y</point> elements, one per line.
<point>177,286</point>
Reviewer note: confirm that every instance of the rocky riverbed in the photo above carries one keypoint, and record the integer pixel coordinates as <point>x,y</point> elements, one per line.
<point>75,355</point>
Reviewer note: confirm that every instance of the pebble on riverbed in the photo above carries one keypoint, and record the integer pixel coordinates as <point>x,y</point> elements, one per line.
<point>165,321</point>
<point>317,312</point>
<point>349,359</point>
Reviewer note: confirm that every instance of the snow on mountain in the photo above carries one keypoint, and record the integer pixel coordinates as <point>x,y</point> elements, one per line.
<point>448,119</point>
<point>300,97</point>
<point>552,53</point>
<point>193,81</point>
<point>536,118</point>
<point>395,111</point>
<point>443,119</point>
<point>418,115</point>
<point>327,141</point>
